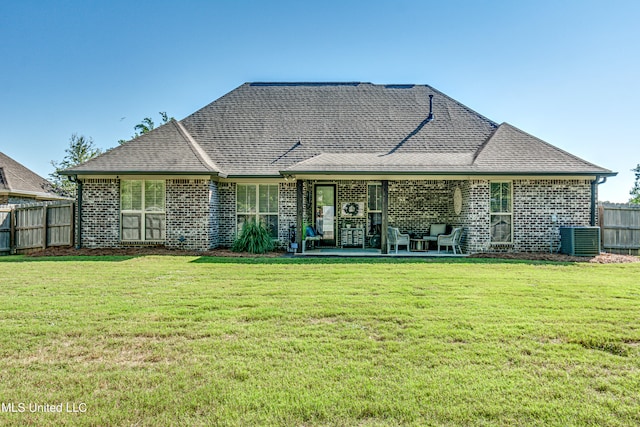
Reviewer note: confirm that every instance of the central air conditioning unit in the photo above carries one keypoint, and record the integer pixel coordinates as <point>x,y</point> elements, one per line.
<point>580,241</point>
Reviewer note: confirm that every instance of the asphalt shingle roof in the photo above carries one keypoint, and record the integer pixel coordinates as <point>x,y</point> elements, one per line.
<point>14,177</point>
<point>165,149</point>
<point>271,128</point>
<point>385,162</point>
<point>513,150</point>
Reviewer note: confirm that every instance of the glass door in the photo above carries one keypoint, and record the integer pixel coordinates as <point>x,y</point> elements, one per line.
<point>325,213</point>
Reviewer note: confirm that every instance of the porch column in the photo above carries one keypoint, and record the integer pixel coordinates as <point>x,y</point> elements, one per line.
<point>385,219</point>
<point>299,209</point>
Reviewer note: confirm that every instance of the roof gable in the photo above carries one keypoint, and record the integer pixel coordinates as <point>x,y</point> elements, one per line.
<point>165,149</point>
<point>510,149</point>
<point>14,177</point>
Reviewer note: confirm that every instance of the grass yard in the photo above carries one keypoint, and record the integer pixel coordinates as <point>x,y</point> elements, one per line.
<point>162,340</point>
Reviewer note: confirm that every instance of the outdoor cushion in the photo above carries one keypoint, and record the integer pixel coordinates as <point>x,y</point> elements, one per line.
<point>310,232</point>
<point>437,229</point>
<point>434,231</point>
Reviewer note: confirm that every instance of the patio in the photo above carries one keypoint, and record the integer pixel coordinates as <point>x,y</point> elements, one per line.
<point>371,252</point>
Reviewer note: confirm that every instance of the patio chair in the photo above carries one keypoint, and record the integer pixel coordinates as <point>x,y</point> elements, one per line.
<point>394,237</point>
<point>434,231</point>
<point>311,235</point>
<point>452,240</point>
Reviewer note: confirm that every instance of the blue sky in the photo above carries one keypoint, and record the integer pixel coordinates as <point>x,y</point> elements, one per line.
<point>565,71</point>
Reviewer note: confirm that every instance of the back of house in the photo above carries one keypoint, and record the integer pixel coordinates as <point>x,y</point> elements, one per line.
<point>348,160</point>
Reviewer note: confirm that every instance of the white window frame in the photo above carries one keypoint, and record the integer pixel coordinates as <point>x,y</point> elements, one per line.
<point>493,213</point>
<point>143,212</point>
<point>256,211</point>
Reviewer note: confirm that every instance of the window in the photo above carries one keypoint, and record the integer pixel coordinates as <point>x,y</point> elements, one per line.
<point>374,208</point>
<point>259,202</point>
<point>501,212</point>
<point>142,210</point>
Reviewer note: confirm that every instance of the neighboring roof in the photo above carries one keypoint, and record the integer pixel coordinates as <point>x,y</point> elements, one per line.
<point>166,149</point>
<point>269,129</point>
<point>17,179</point>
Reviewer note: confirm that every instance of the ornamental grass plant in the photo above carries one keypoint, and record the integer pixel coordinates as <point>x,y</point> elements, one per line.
<point>254,238</point>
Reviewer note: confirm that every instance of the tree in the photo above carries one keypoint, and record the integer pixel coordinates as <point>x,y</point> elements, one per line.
<point>81,149</point>
<point>635,191</point>
<point>146,126</point>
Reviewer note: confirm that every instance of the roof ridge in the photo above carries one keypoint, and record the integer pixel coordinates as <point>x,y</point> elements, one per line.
<point>197,149</point>
<point>4,177</point>
<point>18,177</point>
<point>485,143</point>
<point>313,84</point>
<point>4,181</point>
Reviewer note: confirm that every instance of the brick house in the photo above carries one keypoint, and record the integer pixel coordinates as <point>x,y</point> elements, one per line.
<point>20,185</point>
<point>341,156</point>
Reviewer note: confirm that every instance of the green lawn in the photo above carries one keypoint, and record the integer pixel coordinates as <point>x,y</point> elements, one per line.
<point>159,340</point>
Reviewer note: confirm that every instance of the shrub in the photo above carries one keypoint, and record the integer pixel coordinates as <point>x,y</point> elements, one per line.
<point>254,238</point>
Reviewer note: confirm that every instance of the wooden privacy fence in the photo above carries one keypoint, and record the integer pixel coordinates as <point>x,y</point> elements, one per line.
<point>5,230</point>
<point>620,225</point>
<point>38,226</point>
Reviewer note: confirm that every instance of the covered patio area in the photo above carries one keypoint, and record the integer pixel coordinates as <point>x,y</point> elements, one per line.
<point>353,217</point>
<point>372,252</point>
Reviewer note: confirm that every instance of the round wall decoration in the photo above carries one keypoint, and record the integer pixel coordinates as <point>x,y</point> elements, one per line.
<point>457,201</point>
<point>351,209</point>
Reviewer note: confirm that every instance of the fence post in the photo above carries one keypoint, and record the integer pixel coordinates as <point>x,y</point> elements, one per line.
<point>72,232</point>
<point>601,223</point>
<point>45,210</point>
<point>12,232</point>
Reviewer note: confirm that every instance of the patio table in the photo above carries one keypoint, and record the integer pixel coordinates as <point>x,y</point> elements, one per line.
<point>419,245</point>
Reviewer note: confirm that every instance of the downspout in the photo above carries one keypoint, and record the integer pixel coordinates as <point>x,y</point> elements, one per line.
<point>599,180</point>
<point>74,178</point>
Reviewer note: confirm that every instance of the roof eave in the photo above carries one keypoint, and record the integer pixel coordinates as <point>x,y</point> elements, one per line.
<point>461,172</point>
<point>71,172</point>
<point>34,194</point>
<point>269,176</point>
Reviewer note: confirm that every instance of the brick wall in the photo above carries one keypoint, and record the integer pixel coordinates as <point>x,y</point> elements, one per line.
<point>202,214</point>
<point>187,214</point>
<point>101,213</point>
<point>351,192</point>
<point>287,212</point>
<point>475,216</point>
<point>534,203</point>
<point>227,213</point>
<point>214,215</point>
<point>415,205</point>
